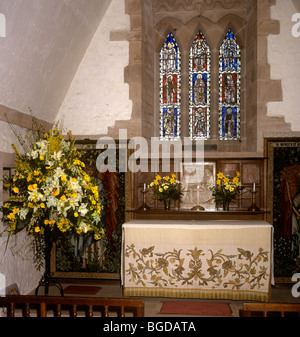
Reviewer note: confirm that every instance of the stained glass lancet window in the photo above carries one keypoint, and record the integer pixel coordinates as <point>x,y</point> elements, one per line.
<point>170,89</point>
<point>199,89</point>
<point>229,84</point>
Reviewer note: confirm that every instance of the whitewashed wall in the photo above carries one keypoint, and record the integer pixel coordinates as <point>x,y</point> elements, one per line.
<point>16,257</point>
<point>45,41</point>
<point>98,95</point>
<point>284,59</point>
<point>16,262</point>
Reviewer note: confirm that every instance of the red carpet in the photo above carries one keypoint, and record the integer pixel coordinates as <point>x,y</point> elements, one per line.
<point>196,308</point>
<point>82,290</point>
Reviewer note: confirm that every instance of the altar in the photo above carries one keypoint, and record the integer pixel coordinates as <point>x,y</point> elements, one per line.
<point>208,259</point>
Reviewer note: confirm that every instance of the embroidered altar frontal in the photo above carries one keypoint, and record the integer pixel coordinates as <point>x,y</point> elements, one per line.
<point>197,259</point>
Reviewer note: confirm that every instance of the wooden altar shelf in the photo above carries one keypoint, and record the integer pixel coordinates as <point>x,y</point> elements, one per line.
<point>184,214</point>
<point>209,259</point>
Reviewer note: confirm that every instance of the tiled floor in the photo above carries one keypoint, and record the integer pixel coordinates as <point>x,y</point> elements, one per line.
<point>112,288</point>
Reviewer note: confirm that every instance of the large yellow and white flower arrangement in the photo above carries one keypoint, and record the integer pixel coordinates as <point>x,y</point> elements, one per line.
<point>51,190</point>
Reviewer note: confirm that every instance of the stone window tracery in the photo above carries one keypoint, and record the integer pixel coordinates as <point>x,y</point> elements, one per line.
<point>199,89</point>
<point>170,89</point>
<point>229,88</point>
<point>199,73</point>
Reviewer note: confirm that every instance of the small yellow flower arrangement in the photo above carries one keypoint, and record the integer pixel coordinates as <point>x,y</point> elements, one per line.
<point>226,189</point>
<point>166,189</point>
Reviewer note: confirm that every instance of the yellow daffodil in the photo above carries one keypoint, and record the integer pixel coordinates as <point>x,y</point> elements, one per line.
<point>16,190</point>
<point>37,229</point>
<point>56,193</point>
<point>220,175</point>
<point>235,180</point>
<point>11,216</point>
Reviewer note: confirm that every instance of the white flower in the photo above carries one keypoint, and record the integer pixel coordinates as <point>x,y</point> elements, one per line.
<point>52,201</point>
<point>49,163</point>
<point>57,155</point>
<point>84,227</point>
<point>42,144</point>
<point>73,202</point>
<point>58,172</point>
<point>82,209</point>
<point>33,154</point>
<point>36,196</point>
<point>23,213</point>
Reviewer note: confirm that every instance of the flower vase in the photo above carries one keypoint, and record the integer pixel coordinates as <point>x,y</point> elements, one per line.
<point>47,279</point>
<point>226,205</point>
<point>167,204</point>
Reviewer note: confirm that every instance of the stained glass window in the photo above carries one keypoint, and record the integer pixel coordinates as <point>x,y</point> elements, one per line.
<point>170,89</point>
<point>199,89</point>
<point>229,84</point>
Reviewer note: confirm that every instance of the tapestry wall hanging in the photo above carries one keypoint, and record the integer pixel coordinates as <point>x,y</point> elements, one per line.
<point>283,200</point>
<point>81,257</point>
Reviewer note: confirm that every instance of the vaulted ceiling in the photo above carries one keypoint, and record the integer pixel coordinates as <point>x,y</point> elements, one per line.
<point>44,45</point>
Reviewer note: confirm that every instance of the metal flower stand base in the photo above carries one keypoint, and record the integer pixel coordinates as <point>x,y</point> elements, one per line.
<point>47,281</point>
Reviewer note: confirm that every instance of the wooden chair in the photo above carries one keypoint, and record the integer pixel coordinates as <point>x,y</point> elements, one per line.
<point>270,309</point>
<point>71,305</point>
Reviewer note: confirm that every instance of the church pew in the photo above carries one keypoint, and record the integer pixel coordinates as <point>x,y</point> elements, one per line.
<point>73,305</point>
<point>269,309</point>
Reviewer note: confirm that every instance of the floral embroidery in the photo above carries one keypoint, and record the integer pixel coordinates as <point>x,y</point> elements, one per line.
<point>243,270</point>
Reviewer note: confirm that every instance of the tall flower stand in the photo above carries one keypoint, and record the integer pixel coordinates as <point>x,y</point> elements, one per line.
<point>47,281</point>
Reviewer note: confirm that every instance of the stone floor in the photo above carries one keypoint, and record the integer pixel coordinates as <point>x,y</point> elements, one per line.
<point>112,288</point>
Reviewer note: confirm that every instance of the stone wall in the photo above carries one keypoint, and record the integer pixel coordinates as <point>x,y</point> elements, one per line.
<point>251,23</point>
<point>283,57</point>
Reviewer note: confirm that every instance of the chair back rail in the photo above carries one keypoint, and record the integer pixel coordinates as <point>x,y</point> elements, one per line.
<point>89,304</point>
<point>250,309</point>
